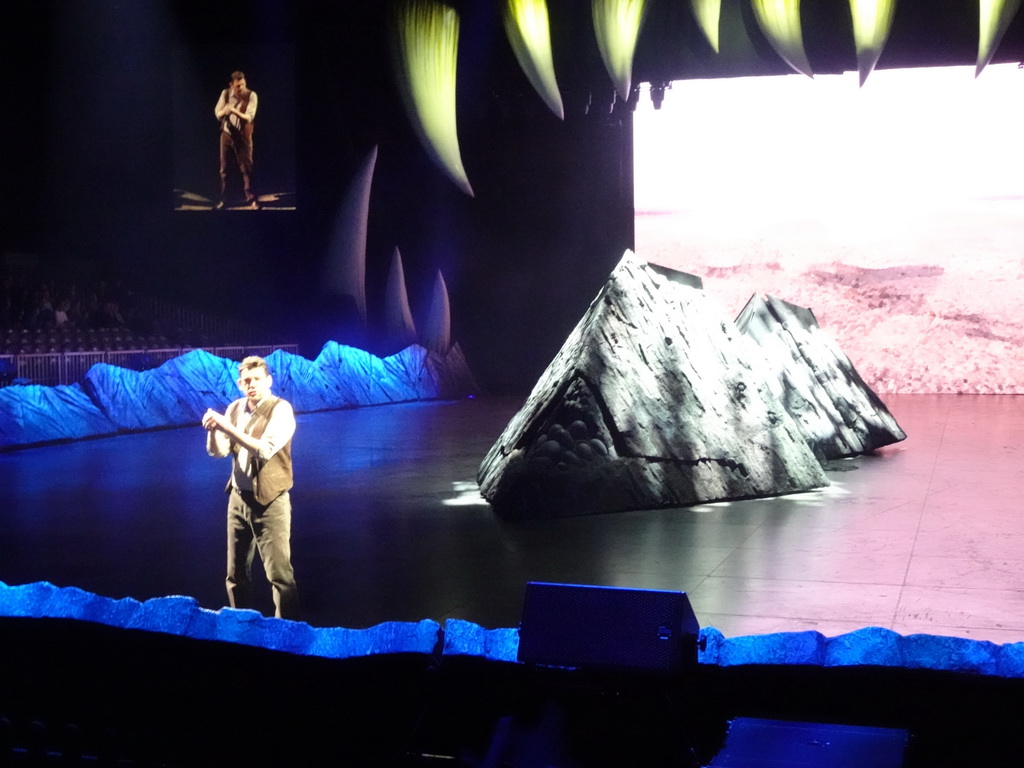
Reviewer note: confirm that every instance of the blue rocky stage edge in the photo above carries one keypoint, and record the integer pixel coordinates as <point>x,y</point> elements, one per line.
<point>114,400</point>
<point>182,616</point>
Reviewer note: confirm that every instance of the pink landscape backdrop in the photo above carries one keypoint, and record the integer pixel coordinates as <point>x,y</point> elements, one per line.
<point>894,211</point>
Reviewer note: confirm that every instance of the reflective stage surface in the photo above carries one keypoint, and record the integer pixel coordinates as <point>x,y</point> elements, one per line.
<point>925,536</point>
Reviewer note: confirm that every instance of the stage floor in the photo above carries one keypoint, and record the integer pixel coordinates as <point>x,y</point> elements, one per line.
<point>926,536</point>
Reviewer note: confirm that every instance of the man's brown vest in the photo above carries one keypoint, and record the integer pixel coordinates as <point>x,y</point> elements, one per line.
<point>273,477</point>
<point>247,126</point>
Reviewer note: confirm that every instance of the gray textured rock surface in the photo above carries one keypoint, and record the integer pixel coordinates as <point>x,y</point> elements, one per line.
<point>654,400</point>
<point>815,380</point>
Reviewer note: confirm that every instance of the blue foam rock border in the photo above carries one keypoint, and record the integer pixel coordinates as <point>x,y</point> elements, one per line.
<point>113,400</point>
<point>178,615</point>
<point>870,646</point>
<point>778,648</point>
<point>464,638</point>
<point>182,616</point>
<point>35,414</point>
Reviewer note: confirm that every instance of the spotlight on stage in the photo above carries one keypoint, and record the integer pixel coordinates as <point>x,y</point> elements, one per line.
<point>576,626</point>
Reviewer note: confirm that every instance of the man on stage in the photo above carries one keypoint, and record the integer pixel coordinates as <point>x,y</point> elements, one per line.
<point>236,110</point>
<point>256,430</point>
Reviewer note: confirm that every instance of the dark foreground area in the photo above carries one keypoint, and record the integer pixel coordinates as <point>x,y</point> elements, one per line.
<point>88,694</point>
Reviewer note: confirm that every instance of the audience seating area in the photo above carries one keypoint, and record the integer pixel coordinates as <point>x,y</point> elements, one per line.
<point>51,335</point>
<point>21,341</point>
<point>54,368</point>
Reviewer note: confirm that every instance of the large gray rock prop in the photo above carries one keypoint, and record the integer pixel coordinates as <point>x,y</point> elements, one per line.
<point>837,411</point>
<point>653,401</point>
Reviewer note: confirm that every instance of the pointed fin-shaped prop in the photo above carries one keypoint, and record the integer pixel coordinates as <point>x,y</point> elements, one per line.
<point>398,322</point>
<point>708,14</point>
<point>437,336</point>
<point>425,48</point>
<point>872,21</point>
<point>345,271</point>
<point>994,17</point>
<point>780,22</point>
<point>529,34</point>
<point>617,26</point>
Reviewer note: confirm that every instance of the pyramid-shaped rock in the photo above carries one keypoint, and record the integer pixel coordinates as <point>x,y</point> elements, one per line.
<point>816,382</point>
<point>654,400</point>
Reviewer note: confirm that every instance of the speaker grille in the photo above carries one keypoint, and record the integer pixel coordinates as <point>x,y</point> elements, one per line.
<point>570,625</point>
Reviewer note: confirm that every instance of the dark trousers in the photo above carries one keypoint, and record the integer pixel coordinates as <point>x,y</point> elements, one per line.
<point>235,144</point>
<point>252,526</point>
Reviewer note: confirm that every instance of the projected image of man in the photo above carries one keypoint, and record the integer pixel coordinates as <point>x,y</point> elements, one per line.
<point>236,110</point>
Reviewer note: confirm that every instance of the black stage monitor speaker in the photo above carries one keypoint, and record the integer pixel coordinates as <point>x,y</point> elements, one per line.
<point>570,625</point>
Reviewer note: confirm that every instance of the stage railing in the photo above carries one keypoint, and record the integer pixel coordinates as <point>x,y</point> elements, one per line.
<point>54,368</point>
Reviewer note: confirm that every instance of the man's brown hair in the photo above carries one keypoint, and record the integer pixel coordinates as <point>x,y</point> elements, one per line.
<point>252,362</point>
